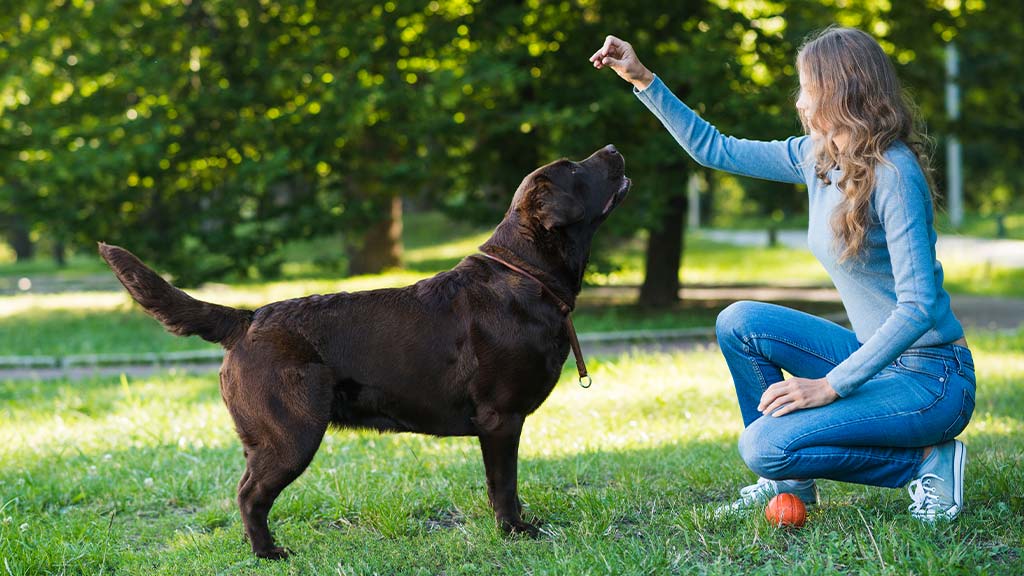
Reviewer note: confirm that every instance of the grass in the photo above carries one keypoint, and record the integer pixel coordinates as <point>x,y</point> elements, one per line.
<point>983,279</point>
<point>111,324</point>
<point>973,224</point>
<point>77,266</point>
<point>985,226</point>
<point>106,321</point>
<point>137,476</point>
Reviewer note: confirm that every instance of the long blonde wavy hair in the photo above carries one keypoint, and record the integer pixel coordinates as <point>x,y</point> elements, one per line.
<point>856,92</point>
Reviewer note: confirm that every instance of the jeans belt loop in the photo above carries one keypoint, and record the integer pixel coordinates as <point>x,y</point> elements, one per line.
<point>959,362</point>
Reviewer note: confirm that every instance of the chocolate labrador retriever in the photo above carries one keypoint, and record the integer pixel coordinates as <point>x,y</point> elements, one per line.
<point>469,352</point>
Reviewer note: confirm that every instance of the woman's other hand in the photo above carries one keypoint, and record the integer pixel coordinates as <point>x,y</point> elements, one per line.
<point>618,55</point>
<point>795,394</point>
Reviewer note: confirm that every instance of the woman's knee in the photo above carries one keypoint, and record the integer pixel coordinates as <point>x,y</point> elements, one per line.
<point>764,456</point>
<point>736,318</point>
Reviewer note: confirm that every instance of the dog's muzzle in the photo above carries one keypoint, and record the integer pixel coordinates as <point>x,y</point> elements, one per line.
<point>617,197</point>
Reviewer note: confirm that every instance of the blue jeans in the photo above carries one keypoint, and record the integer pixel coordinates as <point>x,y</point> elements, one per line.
<point>876,435</point>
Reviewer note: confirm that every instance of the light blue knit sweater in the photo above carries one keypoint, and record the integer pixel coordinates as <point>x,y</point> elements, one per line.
<point>893,293</point>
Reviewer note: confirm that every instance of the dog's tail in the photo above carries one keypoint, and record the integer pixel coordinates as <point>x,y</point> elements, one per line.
<point>178,312</point>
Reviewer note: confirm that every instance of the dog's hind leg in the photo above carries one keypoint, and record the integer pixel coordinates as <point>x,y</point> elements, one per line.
<point>280,440</point>
<point>500,447</point>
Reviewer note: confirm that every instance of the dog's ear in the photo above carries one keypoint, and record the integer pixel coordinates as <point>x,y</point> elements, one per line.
<point>552,205</point>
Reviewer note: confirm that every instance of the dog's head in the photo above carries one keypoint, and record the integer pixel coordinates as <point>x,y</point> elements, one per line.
<point>572,197</point>
<point>556,211</point>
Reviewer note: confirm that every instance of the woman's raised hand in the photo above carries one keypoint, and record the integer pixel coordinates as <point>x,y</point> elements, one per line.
<point>618,55</point>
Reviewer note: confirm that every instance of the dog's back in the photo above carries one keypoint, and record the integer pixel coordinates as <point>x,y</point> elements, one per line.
<point>390,359</point>
<point>399,359</point>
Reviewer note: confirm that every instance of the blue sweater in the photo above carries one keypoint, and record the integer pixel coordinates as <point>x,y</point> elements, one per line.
<point>893,293</point>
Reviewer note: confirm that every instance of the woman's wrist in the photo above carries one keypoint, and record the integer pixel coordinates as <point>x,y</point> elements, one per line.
<point>642,80</point>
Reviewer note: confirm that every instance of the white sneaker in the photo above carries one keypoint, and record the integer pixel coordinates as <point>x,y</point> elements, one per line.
<point>938,493</point>
<point>757,495</point>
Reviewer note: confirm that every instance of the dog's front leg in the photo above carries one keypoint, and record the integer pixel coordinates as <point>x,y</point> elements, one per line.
<point>500,447</point>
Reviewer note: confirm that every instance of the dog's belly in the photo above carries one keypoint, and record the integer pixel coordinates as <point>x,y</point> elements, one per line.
<point>388,423</point>
<point>402,407</point>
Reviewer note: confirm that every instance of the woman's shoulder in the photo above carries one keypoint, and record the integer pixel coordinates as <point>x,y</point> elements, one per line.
<point>900,175</point>
<point>899,155</point>
<point>900,162</point>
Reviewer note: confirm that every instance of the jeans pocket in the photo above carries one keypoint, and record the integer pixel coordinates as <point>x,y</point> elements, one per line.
<point>962,418</point>
<point>934,367</point>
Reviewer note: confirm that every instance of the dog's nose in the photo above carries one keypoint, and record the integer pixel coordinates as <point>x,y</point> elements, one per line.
<point>611,149</point>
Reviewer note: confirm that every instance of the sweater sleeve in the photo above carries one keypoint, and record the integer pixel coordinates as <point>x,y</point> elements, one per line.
<point>903,205</point>
<point>779,160</point>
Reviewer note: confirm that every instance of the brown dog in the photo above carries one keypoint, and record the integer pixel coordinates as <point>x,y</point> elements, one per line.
<point>469,352</point>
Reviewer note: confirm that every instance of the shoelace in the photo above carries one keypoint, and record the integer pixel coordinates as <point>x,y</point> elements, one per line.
<point>754,490</point>
<point>922,492</point>
<point>749,495</point>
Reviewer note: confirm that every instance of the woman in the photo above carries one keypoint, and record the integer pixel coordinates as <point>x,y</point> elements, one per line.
<point>881,404</point>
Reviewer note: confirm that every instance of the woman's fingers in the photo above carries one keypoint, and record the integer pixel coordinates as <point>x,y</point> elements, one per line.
<point>770,395</point>
<point>611,45</point>
<point>783,405</point>
<point>785,409</point>
<point>780,399</point>
<point>616,64</point>
<point>795,394</point>
<point>610,49</point>
<point>782,402</point>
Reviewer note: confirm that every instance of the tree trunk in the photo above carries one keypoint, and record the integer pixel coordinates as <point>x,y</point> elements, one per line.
<point>707,206</point>
<point>21,241</point>
<point>381,246</point>
<point>60,253</point>
<point>664,254</point>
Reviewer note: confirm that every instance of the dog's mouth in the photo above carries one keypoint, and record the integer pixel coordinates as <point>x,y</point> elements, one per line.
<point>615,199</point>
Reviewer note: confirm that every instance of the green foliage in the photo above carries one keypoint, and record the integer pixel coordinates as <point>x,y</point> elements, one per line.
<point>991,124</point>
<point>206,134</point>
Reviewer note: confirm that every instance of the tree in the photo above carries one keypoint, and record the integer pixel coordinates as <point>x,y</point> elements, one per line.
<point>207,133</point>
<point>712,57</point>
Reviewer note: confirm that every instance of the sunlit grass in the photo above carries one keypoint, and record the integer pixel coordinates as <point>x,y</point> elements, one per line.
<point>442,256</point>
<point>963,277</point>
<point>137,476</point>
<point>985,226</point>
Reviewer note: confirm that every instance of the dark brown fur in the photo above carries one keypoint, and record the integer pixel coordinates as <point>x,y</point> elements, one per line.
<point>469,352</point>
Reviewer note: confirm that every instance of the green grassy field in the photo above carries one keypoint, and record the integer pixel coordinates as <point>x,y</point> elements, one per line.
<point>137,476</point>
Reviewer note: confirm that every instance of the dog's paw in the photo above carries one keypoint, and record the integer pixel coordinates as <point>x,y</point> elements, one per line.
<point>519,528</point>
<point>274,553</point>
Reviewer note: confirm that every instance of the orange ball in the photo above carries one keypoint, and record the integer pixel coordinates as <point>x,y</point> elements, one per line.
<point>786,510</point>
